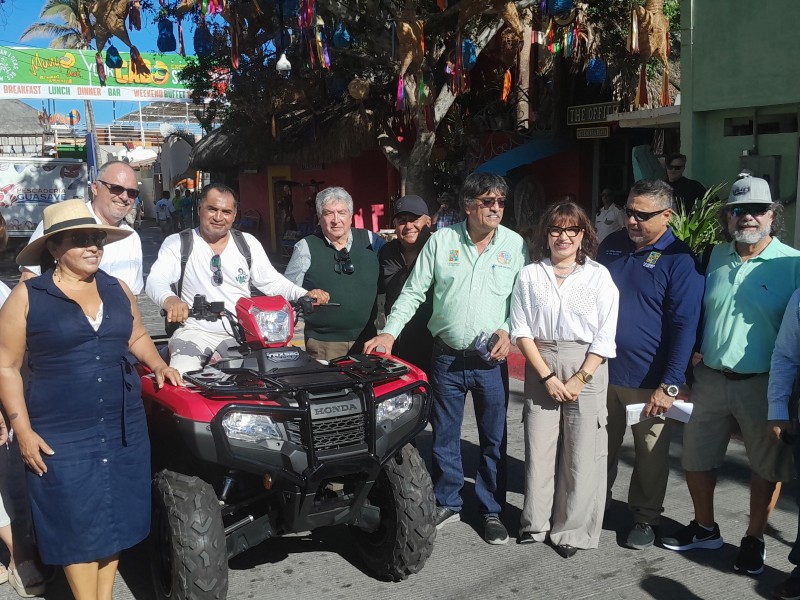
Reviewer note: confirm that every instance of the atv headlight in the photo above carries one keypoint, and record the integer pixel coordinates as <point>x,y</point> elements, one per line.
<point>275,325</point>
<point>392,408</point>
<point>249,427</point>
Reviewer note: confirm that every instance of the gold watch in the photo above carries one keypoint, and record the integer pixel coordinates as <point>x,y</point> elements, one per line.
<point>584,376</point>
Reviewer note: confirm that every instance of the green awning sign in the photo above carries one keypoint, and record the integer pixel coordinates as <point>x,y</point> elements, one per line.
<point>72,75</point>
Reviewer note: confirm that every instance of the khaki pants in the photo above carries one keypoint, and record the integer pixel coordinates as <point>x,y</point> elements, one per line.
<point>651,462</point>
<point>327,350</point>
<point>565,453</point>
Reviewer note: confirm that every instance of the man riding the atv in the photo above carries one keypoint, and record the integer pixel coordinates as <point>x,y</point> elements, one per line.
<point>203,261</point>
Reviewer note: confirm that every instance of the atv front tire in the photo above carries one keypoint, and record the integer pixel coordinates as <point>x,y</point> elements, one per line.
<point>189,559</point>
<point>404,539</point>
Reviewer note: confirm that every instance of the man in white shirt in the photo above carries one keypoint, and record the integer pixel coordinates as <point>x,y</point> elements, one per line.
<point>218,270</point>
<point>113,193</point>
<point>611,217</point>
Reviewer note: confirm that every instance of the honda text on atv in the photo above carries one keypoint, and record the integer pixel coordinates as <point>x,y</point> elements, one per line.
<point>268,441</point>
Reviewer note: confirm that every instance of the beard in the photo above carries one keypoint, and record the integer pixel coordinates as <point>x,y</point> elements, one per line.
<point>750,237</point>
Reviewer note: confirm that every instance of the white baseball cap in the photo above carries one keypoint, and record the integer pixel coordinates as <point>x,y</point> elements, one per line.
<point>749,190</point>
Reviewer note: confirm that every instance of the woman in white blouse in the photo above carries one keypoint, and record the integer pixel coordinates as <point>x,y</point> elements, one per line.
<point>564,320</point>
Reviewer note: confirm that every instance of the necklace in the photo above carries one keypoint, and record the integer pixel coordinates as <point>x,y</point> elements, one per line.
<point>572,266</point>
<point>574,270</point>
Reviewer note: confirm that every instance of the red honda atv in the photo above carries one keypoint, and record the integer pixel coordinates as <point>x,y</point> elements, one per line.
<point>268,441</point>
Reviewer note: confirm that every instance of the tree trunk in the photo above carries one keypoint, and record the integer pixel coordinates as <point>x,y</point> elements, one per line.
<point>523,102</point>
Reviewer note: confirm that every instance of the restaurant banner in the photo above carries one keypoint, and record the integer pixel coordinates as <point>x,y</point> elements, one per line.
<point>72,75</point>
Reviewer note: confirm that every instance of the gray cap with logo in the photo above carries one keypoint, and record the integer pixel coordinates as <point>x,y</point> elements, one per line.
<point>749,190</point>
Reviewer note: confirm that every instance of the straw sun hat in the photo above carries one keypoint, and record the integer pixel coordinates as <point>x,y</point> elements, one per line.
<point>68,215</point>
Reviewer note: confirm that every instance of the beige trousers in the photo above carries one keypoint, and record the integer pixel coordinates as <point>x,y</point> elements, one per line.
<point>565,453</point>
<point>327,350</point>
<point>651,461</point>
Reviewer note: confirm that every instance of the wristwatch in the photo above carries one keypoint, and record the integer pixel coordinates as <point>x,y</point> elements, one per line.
<point>670,389</point>
<point>584,376</point>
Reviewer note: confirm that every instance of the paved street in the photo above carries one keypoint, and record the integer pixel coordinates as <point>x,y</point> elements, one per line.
<point>324,564</point>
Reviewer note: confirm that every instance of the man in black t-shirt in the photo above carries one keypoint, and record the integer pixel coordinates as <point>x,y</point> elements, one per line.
<point>686,191</point>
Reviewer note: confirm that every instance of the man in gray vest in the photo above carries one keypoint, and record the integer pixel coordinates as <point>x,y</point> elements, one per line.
<point>344,262</point>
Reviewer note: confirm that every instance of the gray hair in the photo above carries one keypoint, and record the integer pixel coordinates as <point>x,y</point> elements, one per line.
<point>659,191</point>
<point>333,194</point>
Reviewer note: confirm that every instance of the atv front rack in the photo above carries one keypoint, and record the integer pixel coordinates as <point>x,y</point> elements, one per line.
<point>345,371</point>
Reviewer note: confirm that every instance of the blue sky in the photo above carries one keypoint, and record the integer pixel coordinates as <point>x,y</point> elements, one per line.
<point>16,15</point>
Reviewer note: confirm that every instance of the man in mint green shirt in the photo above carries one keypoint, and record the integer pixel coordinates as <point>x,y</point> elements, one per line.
<point>472,267</point>
<point>748,284</point>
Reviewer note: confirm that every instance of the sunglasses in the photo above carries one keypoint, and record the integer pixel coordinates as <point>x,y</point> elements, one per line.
<point>640,216</point>
<point>343,263</point>
<point>86,239</point>
<point>556,231</point>
<point>216,269</point>
<point>754,210</point>
<point>676,167</point>
<point>117,190</point>
<point>489,202</point>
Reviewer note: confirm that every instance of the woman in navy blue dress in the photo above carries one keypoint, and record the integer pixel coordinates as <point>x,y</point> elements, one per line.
<point>80,427</point>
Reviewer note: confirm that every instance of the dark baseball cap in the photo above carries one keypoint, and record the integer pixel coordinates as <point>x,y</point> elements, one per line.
<point>410,204</point>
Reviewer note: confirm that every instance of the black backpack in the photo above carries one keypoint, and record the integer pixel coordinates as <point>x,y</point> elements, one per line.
<point>187,243</point>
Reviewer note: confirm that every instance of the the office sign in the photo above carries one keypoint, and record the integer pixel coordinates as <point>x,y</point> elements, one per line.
<point>584,114</point>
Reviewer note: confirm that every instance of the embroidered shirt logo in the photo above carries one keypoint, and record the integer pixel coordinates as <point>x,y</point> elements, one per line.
<point>652,259</point>
<point>504,258</point>
<point>242,276</point>
<point>452,257</point>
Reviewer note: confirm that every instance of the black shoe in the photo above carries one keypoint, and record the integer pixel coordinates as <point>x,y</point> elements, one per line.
<point>750,559</point>
<point>494,532</point>
<point>445,516</point>
<point>694,536</point>
<point>788,590</point>
<point>641,536</point>
<point>565,550</point>
<point>525,537</point>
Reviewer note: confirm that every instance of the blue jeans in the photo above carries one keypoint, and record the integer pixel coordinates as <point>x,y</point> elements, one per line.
<point>451,378</point>
<point>794,555</point>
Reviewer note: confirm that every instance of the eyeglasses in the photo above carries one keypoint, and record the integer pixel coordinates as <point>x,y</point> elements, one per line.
<point>640,216</point>
<point>556,231</point>
<point>116,190</point>
<point>86,239</point>
<point>755,210</point>
<point>343,263</point>
<point>676,167</point>
<point>216,269</point>
<point>489,202</point>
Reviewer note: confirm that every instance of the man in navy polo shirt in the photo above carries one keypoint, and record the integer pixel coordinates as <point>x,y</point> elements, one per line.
<point>660,293</point>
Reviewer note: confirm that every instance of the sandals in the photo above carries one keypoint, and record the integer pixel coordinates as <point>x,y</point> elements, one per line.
<point>29,569</point>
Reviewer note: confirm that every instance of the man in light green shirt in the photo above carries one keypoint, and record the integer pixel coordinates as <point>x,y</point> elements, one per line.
<point>472,267</point>
<point>748,284</point>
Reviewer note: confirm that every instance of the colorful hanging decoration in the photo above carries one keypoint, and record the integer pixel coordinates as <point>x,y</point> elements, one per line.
<point>596,71</point>
<point>113,59</point>
<point>341,37</point>
<point>135,16</point>
<point>506,85</point>
<point>469,54</point>
<point>559,7</point>
<point>649,36</point>
<point>166,36</point>
<point>442,4</point>
<point>101,72</point>
<point>181,48</point>
<point>321,43</point>
<point>110,21</point>
<point>203,41</point>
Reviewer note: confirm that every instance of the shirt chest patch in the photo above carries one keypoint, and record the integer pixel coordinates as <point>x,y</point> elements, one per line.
<point>241,276</point>
<point>504,258</point>
<point>651,260</point>
<point>452,257</point>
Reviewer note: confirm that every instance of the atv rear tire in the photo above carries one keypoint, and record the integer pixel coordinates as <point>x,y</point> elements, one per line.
<point>404,540</point>
<point>189,559</point>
